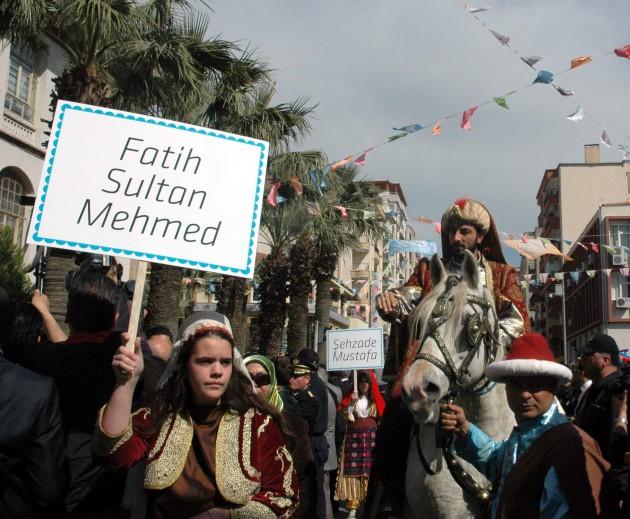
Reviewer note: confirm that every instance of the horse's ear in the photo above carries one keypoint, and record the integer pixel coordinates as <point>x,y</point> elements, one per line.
<point>470,269</point>
<point>438,273</point>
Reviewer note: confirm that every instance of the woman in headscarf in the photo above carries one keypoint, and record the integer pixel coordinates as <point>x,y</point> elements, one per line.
<point>263,374</point>
<point>213,448</point>
<point>364,406</point>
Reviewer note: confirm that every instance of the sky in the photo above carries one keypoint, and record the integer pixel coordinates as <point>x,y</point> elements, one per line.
<point>374,65</point>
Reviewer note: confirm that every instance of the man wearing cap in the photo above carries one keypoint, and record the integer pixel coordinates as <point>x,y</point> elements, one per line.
<point>548,467</point>
<point>307,362</point>
<point>600,361</point>
<point>466,225</point>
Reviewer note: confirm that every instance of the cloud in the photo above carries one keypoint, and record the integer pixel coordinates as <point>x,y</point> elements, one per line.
<point>373,65</point>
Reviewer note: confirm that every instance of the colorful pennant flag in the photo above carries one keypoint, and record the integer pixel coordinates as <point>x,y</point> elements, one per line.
<point>559,276</point>
<point>580,60</point>
<point>578,115</point>
<point>575,276</point>
<point>273,193</point>
<point>315,181</point>
<point>410,128</point>
<point>564,91</point>
<point>594,247</point>
<point>608,271</point>
<point>438,227</point>
<point>605,139</point>
<point>341,163</point>
<point>582,245</point>
<point>501,102</point>
<point>466,116</point>
<point>623,52</point>
<point>342,210</point>
<point>531,60</point>
<point>543,278</point>
<point>473,10</point>
<point>609,249</point>
<point>544,76</point>
<point>590,273</point>
<point>297,185</point>
<point>625,271</point>
<point>360,160</point>
<point>392,138</point>
<point>501,37</point>
<point>437,129</point>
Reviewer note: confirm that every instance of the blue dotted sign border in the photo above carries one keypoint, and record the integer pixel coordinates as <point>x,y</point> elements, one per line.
<point>137,254</point>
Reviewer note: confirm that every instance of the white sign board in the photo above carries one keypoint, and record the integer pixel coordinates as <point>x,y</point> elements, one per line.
<point>130,185</point>
<point>358,348</point>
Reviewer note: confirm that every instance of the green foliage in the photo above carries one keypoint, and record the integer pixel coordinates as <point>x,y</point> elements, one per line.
<point>12,274</point>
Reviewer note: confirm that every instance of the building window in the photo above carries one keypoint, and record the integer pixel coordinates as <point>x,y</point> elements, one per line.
<point>21,88</point>
<point>620,285</point>
<point>620,234</point>
<point>11,212</point>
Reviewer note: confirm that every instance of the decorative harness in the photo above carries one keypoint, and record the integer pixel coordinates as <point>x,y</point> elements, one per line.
<point>479,331</point>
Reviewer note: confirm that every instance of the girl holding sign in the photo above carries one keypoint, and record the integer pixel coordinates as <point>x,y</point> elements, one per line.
<point>364,406</point>
<point>213,449</point>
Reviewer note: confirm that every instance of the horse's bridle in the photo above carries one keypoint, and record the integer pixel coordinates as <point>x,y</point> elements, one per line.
<point>478,331</point>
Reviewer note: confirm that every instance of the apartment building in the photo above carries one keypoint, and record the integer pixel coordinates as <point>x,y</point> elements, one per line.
<point>568,197</point>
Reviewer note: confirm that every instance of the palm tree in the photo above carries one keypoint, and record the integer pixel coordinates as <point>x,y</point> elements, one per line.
<point>247,110</point>
<point>301,265</point>
<point>150,58</point>
<point>332,232</point>
<point>280,227</point>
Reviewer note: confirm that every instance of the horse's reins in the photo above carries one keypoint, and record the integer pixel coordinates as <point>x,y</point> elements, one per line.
<point>478,332</point>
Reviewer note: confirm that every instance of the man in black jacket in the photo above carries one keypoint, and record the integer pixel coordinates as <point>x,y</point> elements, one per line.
<point>31,438</point>
<point>600,362</point>
<point>308,358</point>
<point>82,369</point>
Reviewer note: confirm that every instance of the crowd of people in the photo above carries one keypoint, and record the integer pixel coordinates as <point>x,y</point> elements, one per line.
<point>183,426</point>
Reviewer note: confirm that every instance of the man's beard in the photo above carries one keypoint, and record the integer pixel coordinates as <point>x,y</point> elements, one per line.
<point>457,251</point>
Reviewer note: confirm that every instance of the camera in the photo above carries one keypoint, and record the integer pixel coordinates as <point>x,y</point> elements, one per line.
<point>623,382</point>
<point>98,263</point>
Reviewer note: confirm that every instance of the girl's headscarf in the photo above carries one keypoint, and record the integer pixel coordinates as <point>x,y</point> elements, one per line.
<point>377,398</point>
<point>189,326</point>
<point>273,397</point>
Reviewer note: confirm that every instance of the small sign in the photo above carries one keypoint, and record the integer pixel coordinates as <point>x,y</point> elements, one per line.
<point>150,189</point>
<point>357,348</point>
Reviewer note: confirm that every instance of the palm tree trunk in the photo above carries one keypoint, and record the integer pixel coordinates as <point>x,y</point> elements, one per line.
<point>164,296</point>
<point>274,271</point>
<point>301,268</point>
<point>59,263</point>
<point>232,304</point>
<point>325,270</point>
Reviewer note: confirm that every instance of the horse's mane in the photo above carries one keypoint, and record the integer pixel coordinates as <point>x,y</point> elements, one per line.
<point>420,316</point>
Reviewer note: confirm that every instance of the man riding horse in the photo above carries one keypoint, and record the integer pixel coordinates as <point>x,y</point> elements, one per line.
<point>466,225</point>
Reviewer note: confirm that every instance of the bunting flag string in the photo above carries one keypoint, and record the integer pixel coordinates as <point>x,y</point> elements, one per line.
<point>525,238</point>
<point>542,77</point>
<point>546,77</point>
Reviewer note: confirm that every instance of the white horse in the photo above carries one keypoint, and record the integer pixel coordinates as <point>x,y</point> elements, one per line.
<point>458,332</point>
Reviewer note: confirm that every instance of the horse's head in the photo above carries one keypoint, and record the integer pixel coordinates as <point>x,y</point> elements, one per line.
<point>457,329</point>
